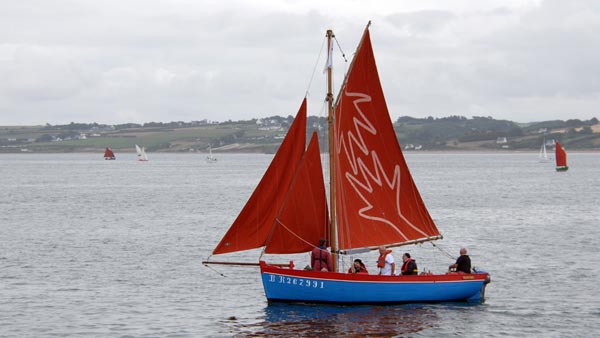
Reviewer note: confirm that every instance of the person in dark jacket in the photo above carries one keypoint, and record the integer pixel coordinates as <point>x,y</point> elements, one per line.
<point>463,263</point>
<point>409,267</point>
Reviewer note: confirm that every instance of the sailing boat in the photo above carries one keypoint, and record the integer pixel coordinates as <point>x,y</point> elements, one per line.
<point>210,158</point>
<point>561,158</point>
<point>141,153</point>
<point>108,154</point>
<point>543,156</point>
<point>373,201</point>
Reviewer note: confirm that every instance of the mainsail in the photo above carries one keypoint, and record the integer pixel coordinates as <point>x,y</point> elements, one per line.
<point>377,201</point>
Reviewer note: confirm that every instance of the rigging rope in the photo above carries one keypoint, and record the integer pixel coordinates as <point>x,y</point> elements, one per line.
<point>315,67</point>
<point>340,48</point>
<point>210,267</point>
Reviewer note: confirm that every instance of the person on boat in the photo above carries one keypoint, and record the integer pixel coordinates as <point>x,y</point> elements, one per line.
<point>321,258</point>
<point>463,263</point>
<point>358,267</point>
<point>409,267</point>
<point>385,262</point>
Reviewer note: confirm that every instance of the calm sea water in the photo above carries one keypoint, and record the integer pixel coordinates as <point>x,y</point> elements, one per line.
<point>94,248</point>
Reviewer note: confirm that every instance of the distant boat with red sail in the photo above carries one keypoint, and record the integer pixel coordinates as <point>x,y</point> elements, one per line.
<point>109,154</point>
<point>561,158</point>
<point>373,202</point>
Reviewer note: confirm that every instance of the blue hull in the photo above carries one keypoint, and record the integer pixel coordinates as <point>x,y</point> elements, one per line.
<point>289,285</point>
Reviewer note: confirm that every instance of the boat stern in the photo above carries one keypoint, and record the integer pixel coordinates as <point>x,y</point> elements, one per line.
<point>479,297</point>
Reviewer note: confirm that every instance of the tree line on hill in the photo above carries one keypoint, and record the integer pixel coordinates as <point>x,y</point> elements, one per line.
<point>441,133</point>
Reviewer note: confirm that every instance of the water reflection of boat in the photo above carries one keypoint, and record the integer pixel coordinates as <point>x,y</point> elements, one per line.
<point>295,320</point>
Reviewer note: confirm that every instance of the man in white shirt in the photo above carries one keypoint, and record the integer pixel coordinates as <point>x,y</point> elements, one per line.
<point>386,263</point>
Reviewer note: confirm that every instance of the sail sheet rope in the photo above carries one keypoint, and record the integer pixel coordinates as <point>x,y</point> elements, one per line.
<point>295,234</point>
<point>221,274</point>
<point>442,250</point>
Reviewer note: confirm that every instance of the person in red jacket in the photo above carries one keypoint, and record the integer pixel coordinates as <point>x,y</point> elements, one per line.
<point>320,258</point>
<point>358,267</point>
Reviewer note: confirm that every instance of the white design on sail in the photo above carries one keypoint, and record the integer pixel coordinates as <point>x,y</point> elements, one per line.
<point>360,170</point>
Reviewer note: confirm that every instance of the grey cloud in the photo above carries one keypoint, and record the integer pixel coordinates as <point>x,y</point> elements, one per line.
<point>137,61</point>
<point>549,52</point>
<point>422,22</point>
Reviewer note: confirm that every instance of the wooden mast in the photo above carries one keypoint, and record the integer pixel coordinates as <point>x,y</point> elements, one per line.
<point>332,226</point>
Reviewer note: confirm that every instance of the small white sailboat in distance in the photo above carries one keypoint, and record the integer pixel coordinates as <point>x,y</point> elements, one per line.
<point>210,158</point>
<point>543,156</point>
<point>141,153</point>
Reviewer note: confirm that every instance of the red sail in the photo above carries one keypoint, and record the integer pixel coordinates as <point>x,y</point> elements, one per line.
<point>108,153</point>
<point>561,156</point>
<point>254,223</point>
<point>377,201</point>
<point>303,218</point>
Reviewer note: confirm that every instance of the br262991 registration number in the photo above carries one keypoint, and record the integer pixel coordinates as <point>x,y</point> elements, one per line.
<point>307,283</point>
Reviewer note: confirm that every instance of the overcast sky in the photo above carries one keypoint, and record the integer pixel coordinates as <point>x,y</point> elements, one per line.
<point>119,61</point>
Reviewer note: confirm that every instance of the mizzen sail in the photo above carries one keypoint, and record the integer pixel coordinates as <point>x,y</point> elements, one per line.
<point>377,201</point>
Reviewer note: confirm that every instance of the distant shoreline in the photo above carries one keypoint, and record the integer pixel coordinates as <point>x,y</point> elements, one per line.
<point>442,135</point>
<point>478,151</point>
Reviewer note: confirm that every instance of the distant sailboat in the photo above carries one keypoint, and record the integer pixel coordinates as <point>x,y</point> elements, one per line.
<point>543,156</point>
<point>141,153</point>
<point>561,158</point>
<point>210,158</point>
<point>108,154</point>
